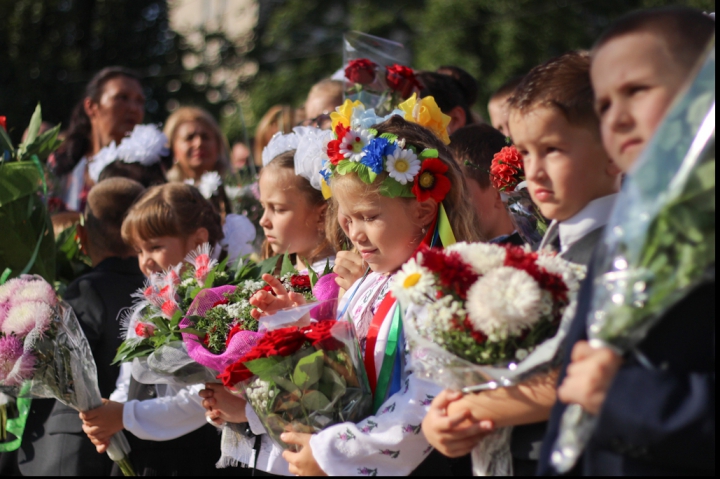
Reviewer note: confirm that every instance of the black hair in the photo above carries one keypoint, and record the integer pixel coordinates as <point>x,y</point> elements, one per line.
<point>473,147</point>
<point>447,91</point>
<point>145,175</point>
<point>507,88</point>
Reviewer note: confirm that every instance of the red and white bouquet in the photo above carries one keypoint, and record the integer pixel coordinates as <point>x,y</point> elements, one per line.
<point>44,353</point>
<point>303,379</point>
<point>507,175</point>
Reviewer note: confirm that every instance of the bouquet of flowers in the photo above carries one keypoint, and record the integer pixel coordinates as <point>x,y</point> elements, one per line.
<point>303,379</point>
<point>508,177</point>
<point>44,353</point>
<point>659,245</point>
<point>482,316</point>
<point>374,73</point>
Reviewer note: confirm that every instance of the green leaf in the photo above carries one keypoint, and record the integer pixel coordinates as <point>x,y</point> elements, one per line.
<point>429,153</point>
<point>269,265</point>
<point>33,129</point>
<point>287,266</point>
<point>328,269</point>
<point>313,275</point>
<point>315,401</point>
<point>372,131</point>
<point>193,331</point>
<point>210,279</point>
<point>264,368</point>
<point>346,166</point>
<point>392,188</point>
<point>6,143</point>
<point>17,180</point>
<point>309,370</point>
<point>390,137</point>
<point>285,384</point>
<point>177,317</point>
<point>365,174</point>
<point>160,323</point>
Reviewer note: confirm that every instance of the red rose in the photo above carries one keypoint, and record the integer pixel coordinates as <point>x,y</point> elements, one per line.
<point>321,334</point>
<point>300,281</point>
<point>361,71</point>
<point>402,80</point>
<point>235,373</point>
<point>431,182</point>
<point>269,289</point>
<point>3,122</point>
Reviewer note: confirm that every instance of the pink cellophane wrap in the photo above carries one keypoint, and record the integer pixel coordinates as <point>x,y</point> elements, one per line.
<point>240,344</point>
<point>325,289</point>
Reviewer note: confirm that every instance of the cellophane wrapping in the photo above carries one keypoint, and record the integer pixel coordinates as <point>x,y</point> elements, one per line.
<point>660,242</point>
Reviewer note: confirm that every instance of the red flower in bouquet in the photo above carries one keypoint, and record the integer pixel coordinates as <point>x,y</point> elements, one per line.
<point>506,170</point>
<point>431,182</point>
<point>3,122</point>
<point>233,331</point>
<point>361,71</point>
<point>300,281</point>
<point>144,330</point>
<point>402,80</point>
<point>169,308</point>
<point>202,266</point>
<point>321,336</point>
<point>455,274</point>
<point>518,258</point>
<point>235,373</point>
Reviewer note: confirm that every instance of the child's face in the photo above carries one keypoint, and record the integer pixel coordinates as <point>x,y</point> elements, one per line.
<point>566,166</point>
<point>385,231</point>
<point>158,254</point>
<point>498,110</point>
<point>635,78</point>
<point>291,225</point>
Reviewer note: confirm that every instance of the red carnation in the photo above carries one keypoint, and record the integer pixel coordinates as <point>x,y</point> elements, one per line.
<point>402,80</point>
<point>431,182</point>
<point>361,71</point>
<point>455,275</point>
<point>506,170</point>
<point>3,122</point>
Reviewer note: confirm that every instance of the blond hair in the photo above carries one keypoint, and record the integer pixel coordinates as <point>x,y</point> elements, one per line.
<point>189,114</point>
<point>461,213</point>
<point>173,209</point>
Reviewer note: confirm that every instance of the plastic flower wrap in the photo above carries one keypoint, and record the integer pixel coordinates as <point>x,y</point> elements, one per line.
<point>44,353</point>
<point>303,379</point>
<point>482,316</point>
<point>374,72</point>
<point>508,177</point>
<point>660,242</point>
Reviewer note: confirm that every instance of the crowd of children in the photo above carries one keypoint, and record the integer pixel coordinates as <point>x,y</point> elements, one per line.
<point>580,122</point>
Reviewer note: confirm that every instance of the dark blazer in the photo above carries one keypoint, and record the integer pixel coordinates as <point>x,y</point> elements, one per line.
<point>527,439</point>
<point>54,442</point>
<point>658,418</point>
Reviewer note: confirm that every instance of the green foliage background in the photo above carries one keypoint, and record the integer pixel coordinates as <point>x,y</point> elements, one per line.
<point>49,49</point>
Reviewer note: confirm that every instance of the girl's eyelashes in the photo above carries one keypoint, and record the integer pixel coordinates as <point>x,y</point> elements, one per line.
<point>369,219</point>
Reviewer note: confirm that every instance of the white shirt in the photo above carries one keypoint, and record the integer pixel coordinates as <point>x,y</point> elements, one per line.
<point>595,215</point>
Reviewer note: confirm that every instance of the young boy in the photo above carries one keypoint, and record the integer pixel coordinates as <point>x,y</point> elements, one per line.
<point>473,147</point>
<point>54,442</point>
<point>498,105</point>
<point>657,419</point>
<point>574,183</point>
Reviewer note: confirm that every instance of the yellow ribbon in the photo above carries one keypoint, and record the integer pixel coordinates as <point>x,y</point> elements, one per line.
<point>447,237</point>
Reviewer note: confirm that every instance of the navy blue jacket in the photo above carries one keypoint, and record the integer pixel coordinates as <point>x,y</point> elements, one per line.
<point>658,421</point>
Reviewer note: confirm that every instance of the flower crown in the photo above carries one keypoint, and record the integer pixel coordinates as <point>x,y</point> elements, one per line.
<point>357,148</point>
<point>145,145</point>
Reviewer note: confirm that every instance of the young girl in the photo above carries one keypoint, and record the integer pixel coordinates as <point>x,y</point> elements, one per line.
<point>169,432</point>
<point>294,223</point>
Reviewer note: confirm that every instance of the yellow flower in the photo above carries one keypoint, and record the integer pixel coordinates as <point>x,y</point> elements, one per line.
<point>326,191</point>
<point>425,112</point>
<point>343,113</point>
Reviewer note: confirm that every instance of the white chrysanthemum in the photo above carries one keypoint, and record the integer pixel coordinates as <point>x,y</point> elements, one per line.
<point>351,146</point>
<point>483,257</point>
<point>403,165</point>
<point>24,317</point>
<point>413,284</point>
<point>504,302</point>
<point>571,273</point>
<point>145,145</point>
<point>37,291</point>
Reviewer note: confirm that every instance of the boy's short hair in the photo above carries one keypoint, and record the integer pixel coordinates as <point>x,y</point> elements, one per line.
<point>107,204</point>
<point>686,31</point>
<point>473,147</point>
<point>563,83</point>
<point>507,88</point>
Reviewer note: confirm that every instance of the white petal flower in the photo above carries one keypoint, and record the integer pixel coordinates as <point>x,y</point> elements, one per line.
<point>145,145</point>
<point>403,165</point>
<point>25,317</point>
<point>351,146</point>
<point>413,284</point>
<point>505,301</point>
<point>483,257</point>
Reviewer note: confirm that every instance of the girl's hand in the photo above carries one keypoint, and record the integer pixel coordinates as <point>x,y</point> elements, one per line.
<point>221,405</point>
<point>349,267</point>
<point>302,463</point>
<point>102,423</point>
<point>456,435</point>
<point>267,303</point>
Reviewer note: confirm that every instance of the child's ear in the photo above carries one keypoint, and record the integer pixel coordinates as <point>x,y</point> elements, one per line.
<point>83,237</point>
<point>498,203</point>
<point>426,212</point>
<point>322,211</point>
<point>200,237</point>
<point>458,119</point>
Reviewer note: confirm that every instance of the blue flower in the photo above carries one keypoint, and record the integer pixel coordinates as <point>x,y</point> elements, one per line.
<point>325,172</point>
<point>375,151</point>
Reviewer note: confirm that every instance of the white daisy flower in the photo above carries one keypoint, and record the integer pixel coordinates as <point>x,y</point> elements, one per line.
<point>413,284</point>
<point>352,145</point>
<point>403,165</point>
<point>504,302</point>
<point>483,257</point>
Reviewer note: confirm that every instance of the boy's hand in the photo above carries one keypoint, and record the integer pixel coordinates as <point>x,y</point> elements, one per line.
<point>349,267</point>
<point>267,303</point>
<point>302,463</point>
<point>452,436</point>
<point>102,423</point>
<point>589,377</point>
<point>222,405</point>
